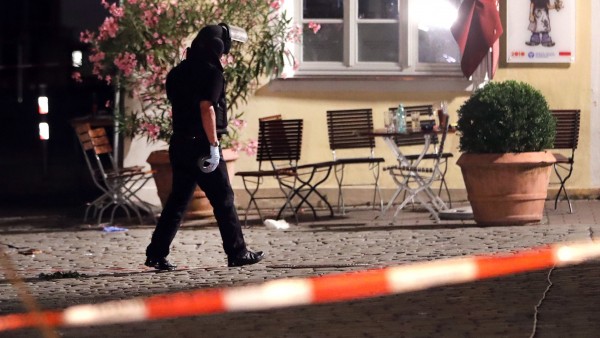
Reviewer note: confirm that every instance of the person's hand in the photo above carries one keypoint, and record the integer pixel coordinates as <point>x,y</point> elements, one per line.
<point>210,163</point>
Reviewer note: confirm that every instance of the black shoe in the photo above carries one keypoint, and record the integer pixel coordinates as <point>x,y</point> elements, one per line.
<point>246,259</point>
<point>160,264</point>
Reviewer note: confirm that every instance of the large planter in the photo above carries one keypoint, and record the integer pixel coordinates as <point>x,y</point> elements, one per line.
<point>507,189</point>
<point>199,206</point>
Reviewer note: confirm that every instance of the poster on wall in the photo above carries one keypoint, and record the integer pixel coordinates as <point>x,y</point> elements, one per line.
<point>540,31</point>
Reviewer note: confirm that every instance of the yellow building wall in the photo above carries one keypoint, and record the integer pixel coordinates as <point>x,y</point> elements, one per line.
<point>564,85</point>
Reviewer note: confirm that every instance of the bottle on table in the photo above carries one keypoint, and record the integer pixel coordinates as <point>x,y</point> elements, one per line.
<point>401,119</point>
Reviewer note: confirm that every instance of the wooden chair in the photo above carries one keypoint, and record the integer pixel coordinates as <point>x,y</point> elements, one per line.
<point>342,127</point>
<point>278,153</point>
<point>567,138</point>
<point>118,185</point>
<point>426,118</point>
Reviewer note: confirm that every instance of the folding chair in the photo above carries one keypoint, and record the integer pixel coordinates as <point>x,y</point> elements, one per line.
<point>278,153</point>
<point>118,185</point>
<point>567,137</point>
<point>426,118</point>
<point>416,178</point>
<point>342,126</point>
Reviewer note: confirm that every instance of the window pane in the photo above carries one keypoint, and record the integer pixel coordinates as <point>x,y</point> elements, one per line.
<point>378,42</point>
<point>323,9</point>
<point>438,46</point>
<point>434,18</point>
<point>378,9</point>
<point>326,45</point>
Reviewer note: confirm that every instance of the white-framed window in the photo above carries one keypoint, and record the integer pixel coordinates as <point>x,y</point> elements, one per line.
<point>377,37</point>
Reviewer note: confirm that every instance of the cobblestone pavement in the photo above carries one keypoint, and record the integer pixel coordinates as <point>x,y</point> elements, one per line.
<point>560,302</point>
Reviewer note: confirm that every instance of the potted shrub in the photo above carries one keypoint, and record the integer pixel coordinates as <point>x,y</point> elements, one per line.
<point>504,129</point>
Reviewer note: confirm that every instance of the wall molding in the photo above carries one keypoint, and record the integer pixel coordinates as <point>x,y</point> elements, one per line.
<point>595,96</point>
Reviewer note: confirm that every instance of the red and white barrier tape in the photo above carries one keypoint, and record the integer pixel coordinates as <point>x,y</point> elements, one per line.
<point>324,289</point>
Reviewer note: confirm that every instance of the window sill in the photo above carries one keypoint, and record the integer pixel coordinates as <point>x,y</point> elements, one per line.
<point>371,83</point>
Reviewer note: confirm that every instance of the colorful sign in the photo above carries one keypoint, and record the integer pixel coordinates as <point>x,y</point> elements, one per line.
<point>540,31</point>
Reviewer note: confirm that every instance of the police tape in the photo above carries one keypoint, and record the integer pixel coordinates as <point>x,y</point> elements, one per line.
<point>304,291</point>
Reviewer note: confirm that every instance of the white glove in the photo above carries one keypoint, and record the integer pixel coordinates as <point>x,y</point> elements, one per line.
<point>209,163</point>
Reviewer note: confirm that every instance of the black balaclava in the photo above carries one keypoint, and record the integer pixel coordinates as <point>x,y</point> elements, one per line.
<point>210,44</point>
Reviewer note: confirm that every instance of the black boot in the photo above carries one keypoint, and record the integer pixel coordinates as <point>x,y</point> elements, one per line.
<point>160,264</point>
<point>247,258</point>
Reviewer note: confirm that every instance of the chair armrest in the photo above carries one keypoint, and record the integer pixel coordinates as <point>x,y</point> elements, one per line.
<point>359,160</point>
<point>264,173</point>
<point>560,158</point>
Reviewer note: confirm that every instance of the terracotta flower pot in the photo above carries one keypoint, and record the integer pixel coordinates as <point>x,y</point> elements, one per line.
<point>199,206</point>
<point>506,189</point>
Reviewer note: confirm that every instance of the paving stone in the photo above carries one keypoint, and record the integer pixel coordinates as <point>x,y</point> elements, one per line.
<point>501,307</point>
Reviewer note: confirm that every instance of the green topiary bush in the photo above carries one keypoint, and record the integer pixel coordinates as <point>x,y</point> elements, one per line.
<point>506,117</point>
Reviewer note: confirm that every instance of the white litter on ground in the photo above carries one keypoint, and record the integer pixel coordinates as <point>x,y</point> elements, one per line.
<point>276,224</point>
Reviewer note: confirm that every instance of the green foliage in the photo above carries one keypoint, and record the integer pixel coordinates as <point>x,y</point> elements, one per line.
<point>506,117</point>
<point>141,40</point>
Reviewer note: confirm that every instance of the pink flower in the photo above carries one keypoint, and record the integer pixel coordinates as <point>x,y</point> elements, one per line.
<point>239,124</point>
<point>97,57</point>
<point>294,34</point>
<point>251,147</point>
<point>86,37</point>
<point>107,104</point>
<point>126,62</point>
<point>109,28</point>
<point>227,60</point>
<point>152,129</point>
<point>116,11</point>
<point>108,79</point>
<point>150,19</point>
<point>276,4</point>
<point>314,26</point>
<point>76,76</point>
<point>133,2</point>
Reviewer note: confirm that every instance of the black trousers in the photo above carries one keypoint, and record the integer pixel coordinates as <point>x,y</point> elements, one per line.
<point>184,155</point>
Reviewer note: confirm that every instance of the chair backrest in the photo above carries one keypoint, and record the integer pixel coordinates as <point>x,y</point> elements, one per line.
<point>97,149</point>
<point>93,139</point>
<point>271,118</point>
<point>444,126</point>
<point>342,127</point>
<point>426,117</point>
<point>280,140</point>
<point>567,128</point>
<point>100,141</point>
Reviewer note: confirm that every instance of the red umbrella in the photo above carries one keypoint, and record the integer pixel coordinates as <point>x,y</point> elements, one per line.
<point>476,29</point>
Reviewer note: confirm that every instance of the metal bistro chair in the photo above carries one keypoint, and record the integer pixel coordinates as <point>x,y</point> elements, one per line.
<point>342,126</point>
<point>118,185</point>
<point>416,178</point>
<point>426,118</point>
<point>278,153</point>
<point>567,137</point>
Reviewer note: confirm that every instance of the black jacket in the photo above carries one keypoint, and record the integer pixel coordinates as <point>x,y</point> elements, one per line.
<point>189,83</point>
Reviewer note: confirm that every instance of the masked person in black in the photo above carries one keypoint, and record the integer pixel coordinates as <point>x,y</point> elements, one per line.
<point>196,90</point>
